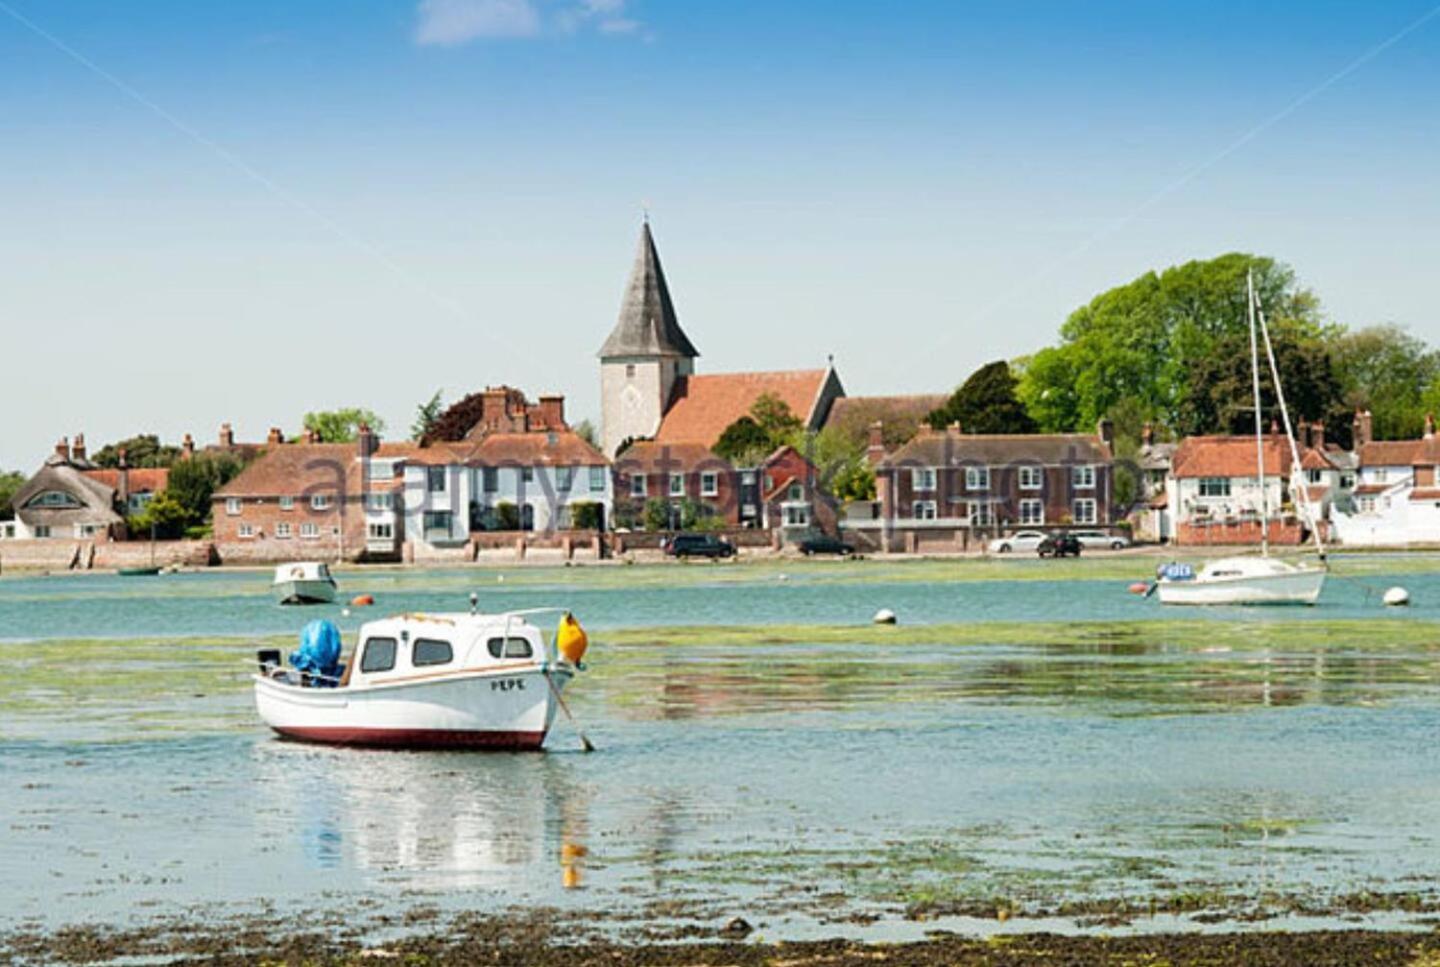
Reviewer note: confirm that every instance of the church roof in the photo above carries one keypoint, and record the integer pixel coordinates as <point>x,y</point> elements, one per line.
<point>647,325</point>
<point>703,406</point>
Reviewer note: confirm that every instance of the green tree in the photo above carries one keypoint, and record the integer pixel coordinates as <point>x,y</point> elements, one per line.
<point>194,481</point>
<point>341,426</point>
<point>744,442</point>
<point>10,484</point>
<point>1386,370</point>
<point>774,416</point>
<point>985,403</point>
<point>586,431</point>
<point>166,514</point>
<point>142,450</point>
<point>426,415</point>
<point>1142,340</point>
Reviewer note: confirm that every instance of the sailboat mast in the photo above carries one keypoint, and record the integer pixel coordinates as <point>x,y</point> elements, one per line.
<point>1259,418</point>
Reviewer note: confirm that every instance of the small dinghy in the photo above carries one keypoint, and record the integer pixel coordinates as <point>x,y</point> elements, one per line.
<point>304,582</point>
<point>424,681</point>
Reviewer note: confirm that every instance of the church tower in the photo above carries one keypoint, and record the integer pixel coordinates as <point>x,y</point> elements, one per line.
<point>645,354</point>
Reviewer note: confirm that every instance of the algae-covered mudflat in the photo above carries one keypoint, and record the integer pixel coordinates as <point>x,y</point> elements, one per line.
<point>1044,753</point>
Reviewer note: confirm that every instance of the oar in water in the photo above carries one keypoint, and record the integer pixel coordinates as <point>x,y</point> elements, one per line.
<point>584,742</point>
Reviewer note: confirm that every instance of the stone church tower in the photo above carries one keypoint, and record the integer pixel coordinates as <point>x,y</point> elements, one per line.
<point>646,352</point>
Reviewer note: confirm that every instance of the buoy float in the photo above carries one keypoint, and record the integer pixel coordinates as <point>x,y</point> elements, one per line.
<point>571,640</point>
<point>1139,587</point>
<point>885,617</point>
<point>362,601</point>
<point>1396,597</point>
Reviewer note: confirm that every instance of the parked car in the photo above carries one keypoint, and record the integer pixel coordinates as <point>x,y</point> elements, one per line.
<point>699,545</point>
<point>1091,539</point>
<point>1059,544</point>
<point>826,545</point>
<point>1018,541</point>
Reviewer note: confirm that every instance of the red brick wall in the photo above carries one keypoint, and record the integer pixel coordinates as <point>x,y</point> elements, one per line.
<point>657,485</point>
<point>1282,533</point>
<point>264,514</point>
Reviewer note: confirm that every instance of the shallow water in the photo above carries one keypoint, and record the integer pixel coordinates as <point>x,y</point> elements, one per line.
<point>800,784</point>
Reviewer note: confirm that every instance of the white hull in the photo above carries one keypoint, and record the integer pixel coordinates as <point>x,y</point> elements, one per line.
<point>490,708</point>
<point>305,591</point>
<point>1298,586</point>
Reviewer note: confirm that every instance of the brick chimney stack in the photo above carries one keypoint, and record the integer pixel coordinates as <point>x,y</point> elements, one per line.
<point>1302,435</point>
<point>552,412</point>
<point>227,437</point>
<point>122,485</point>
<point>1317,435</point>
<point>1363,428</point>
<point>1105,430</point>
<point>276,437</point>
<point>1429,426</point>
<point>187,447</point>
<point>62,449</point>
<point>875,452</point>
<point>366,441</point>
<point>1147,436</point>
<point>77,452</point>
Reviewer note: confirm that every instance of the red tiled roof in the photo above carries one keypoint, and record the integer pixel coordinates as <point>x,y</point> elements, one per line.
<point>1234,456</point>
<point>1316,494</point>
<point>142,479</point>
<point>703,406</point>
<point>292,469</point>
<point>1400,453</point>
<point>1369,490</point>
<point>651,456</point>
<point>1425,493</point>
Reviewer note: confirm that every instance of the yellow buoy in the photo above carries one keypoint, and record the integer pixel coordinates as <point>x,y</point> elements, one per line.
<point>570,639</point>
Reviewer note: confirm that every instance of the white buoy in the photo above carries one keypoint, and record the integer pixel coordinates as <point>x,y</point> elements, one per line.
<point>1396,597</point>
<point>885,617</point>
<point>784,577</point>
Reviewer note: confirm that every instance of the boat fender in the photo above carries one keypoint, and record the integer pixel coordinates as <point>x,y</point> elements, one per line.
<point>1396,597</point>
<point>362,600</point>
<point>885,617</point>
<point>571,640</point>
<point>1139,587</point>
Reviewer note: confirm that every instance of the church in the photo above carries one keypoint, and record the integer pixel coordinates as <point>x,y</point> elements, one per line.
<point>649,389</point>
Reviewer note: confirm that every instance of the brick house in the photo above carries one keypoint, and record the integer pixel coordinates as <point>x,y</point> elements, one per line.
<point>327,501</point>
<point>1396,500</point>
<point>946,486</point>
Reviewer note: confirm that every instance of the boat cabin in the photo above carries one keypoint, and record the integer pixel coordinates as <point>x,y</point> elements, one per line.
<point>408,647</point>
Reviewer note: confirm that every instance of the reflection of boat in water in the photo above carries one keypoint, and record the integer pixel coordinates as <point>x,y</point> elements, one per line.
<point>472,681</point>
<point>304,582</point>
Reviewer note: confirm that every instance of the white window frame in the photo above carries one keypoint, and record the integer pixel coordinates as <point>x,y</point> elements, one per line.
<point>1032,512</point>
<point>677,485</point>
<point>319,501</point>
<point>232,506</point>
<point>979,513</point>
<point>597,480</point>
<point>638,485</point>
<point>922,479</point>
<point>923,510</point>
<point>709,483</point>
<point>797,515</point>
<point>246,532</point>
<point>282,530</point>
<point>564,479</point>
<point>309,532</point>
<point>977,478</point>
<point>1091,508</point>
<point>1031,478</point>
<point>1082,476</point>
<point>1221,486</point>
<point>379,502</point>
<point>382,531</point>
<point>287,503</point>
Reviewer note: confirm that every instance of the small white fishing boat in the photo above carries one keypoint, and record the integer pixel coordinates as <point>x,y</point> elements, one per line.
<point>424,681</point>
<point>304,582</point>
<point>1249,579</point>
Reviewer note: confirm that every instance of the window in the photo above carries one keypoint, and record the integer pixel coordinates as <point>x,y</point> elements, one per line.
<point>282,529</point>
<point>597,480</point>
<point>637,485</point>
<point>510,648</point>
<point>232,506</point>
<point>1347,481</point>
<point>88,530</point>
<point>490,480</point>
<point>287,503</point>
<point>382,532</point>
<point>1031,477</point>
<point>246,531</point>
<point>437,520</point>
<point>435,480</point>
<point>979,513</point>
<point>42,530</point>
<point>1084,512</point>
<point>977,478</point>
<point>797,516</point>
<point>431,651</point>
<point>379,655</point>
<point>1083,477</point>
<point>709,483</point>
<point>1032,512</point>
<point>1315,476</point>
<point>629,370</point>
<point>922,478</point>
<point>1381,474</point>
<point>309,531</point>
<point>320,502</point>
<point>1214,486</point>
<point>527,474</point>
<point>923,510</point>
<point>379,502</point>
<point>564,478</point>
<point>53,498</point>
<point>796,492</point>
<point>677,485</point>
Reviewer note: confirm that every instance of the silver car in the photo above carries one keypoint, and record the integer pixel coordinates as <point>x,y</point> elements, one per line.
<point>1099,539</point>
<point>1018,541</point>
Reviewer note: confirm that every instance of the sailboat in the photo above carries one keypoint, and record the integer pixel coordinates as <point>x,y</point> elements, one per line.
<point>1250,579</point>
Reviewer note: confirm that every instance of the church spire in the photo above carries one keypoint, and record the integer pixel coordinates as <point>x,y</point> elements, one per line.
<point>647,325</point>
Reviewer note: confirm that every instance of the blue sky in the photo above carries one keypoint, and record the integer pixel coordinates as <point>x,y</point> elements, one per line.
<point>241,212</point>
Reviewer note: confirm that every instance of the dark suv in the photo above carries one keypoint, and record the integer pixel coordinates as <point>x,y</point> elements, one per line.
<point>1059,544</point>
<point>823,544</point>
<point>699,545</point>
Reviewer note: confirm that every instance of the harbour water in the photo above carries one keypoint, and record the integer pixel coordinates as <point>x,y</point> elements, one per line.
<point>1057,750</point>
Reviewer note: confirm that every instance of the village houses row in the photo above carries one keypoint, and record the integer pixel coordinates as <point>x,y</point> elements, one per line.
<point>521,472</point>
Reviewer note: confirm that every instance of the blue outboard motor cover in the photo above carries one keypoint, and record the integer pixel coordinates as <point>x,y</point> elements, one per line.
<point>1175,571</point>
<point>319,651</point>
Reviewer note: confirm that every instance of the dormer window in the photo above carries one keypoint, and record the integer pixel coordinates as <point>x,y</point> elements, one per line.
<point>54,499</point>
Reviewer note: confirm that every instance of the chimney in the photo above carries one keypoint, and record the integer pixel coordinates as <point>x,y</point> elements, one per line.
<point>875,452</point>
<point>77,452</point>
<point>1105,430</point>
<point>275,438</point>
<point>62,449</point>
<point>122,485</point>
<point>1362,428</point>
<point>1317,435</point>
<point>1429,426</point>
<point>227,437</point>
<point>954,426</point>
<point>552,412</point>
<point>310,436</point>
<point>1274,426</point>
<point>1147,436</point>
<point>187,447</point>
<point>1302,435</point>
<point>366,441</point>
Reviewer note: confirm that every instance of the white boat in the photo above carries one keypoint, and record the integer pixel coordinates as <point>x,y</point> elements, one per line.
<point>304,582</point>
<point>456,681</point>
<point>1251,579</point>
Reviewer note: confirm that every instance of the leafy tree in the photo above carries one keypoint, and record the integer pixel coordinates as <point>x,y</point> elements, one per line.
<point>10,484</point>
<point>426,415</point>
<point>841,462</point>
<point>507,516</point>
<point>193,482</point>
<point>1387,371</point>
<point>166,514</point>
<point>744,442</point>
<point>143,450</point>
<point>1143,340</point>
<point>586,515</point>
<point>341,426</point>
<point>586,431</point>
<point>774,416</point>
<point>985,403</point>
<point>662,515</point>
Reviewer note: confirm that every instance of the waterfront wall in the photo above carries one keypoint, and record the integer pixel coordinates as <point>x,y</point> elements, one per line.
<point>66,555</point>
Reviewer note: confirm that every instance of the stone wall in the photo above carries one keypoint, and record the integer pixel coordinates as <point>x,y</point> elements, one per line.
<point>66,555</point>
